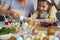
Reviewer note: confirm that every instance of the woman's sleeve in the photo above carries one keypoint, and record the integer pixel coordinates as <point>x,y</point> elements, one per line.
<point>32,8</point>
<point>9,2</point>
<point>52,16</point>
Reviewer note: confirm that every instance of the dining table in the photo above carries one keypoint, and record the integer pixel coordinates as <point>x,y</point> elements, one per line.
<point>40,29</point>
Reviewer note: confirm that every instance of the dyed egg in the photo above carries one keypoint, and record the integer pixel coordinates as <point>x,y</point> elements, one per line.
<point>35,31</point>
<point>31,22</point>
<point>58,35</point>
<point>45,38</point>
<point>21,17</point>
<point>28,38</point>
<point>51,31</point>
<point>12,38</point>
<point>42,35</point>
<point>37,38</point>
<point>51,36</point>
<point>19,38</point>
<point>26,24</point>
<point>55,38</point>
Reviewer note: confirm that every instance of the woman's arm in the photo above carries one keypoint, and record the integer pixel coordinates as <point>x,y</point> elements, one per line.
<point>4,10</point>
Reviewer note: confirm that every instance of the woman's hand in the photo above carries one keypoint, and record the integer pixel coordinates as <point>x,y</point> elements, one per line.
<point>14,15</point>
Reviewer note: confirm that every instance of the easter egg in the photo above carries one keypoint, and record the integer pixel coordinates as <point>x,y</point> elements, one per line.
<point>42,35</point>
<point>58,35</point>
<point>28,38</point>
<point>19,38</point>
<point>34,31</point>
<point>51,31</point>
<point>26,24</point>
<point>21,17</point>
<point>37,38</point>
<point>51,36</point>
<point>31,22</point>
<point>56,38</point>
<point>45,38</point>
<point>12,38</point>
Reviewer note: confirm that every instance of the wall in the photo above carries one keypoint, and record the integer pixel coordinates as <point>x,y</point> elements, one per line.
<point>35,3</point>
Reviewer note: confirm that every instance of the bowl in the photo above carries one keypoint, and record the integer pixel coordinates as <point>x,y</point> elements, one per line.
<point>6,36</point>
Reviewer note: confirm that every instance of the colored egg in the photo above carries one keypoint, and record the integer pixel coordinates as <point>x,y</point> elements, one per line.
<point>19,38</point>
<point>21,17</point>
<point>51,31</point>
<point>37,38</point>
<point>26,24</point>
<point>42,35</point>
<point>12,38</point>
<point>35,31</point>
<point>31,22</point>
<point>51,36</point>
<point>56,38</point>
<point>46,38</point>
<point>28,38</point>
<point>58,35</point>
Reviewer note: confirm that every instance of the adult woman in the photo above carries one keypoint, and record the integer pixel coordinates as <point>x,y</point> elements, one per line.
<point>17,8</point>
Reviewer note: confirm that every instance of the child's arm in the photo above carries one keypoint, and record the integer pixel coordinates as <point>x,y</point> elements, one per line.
<point>52,16</point>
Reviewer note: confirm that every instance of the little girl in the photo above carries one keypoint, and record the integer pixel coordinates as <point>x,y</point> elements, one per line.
<point>46,12</point>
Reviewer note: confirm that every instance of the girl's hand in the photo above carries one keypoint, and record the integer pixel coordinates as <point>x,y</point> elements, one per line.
<point>27,18</point>
<point>37,22</point>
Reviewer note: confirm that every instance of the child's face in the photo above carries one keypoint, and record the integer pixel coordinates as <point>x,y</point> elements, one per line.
<point>43,6</point>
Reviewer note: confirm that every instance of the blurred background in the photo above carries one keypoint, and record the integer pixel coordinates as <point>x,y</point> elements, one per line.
<point>57,2</point>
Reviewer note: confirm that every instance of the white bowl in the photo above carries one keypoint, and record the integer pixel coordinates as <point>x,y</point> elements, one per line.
<point>6,36</point>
